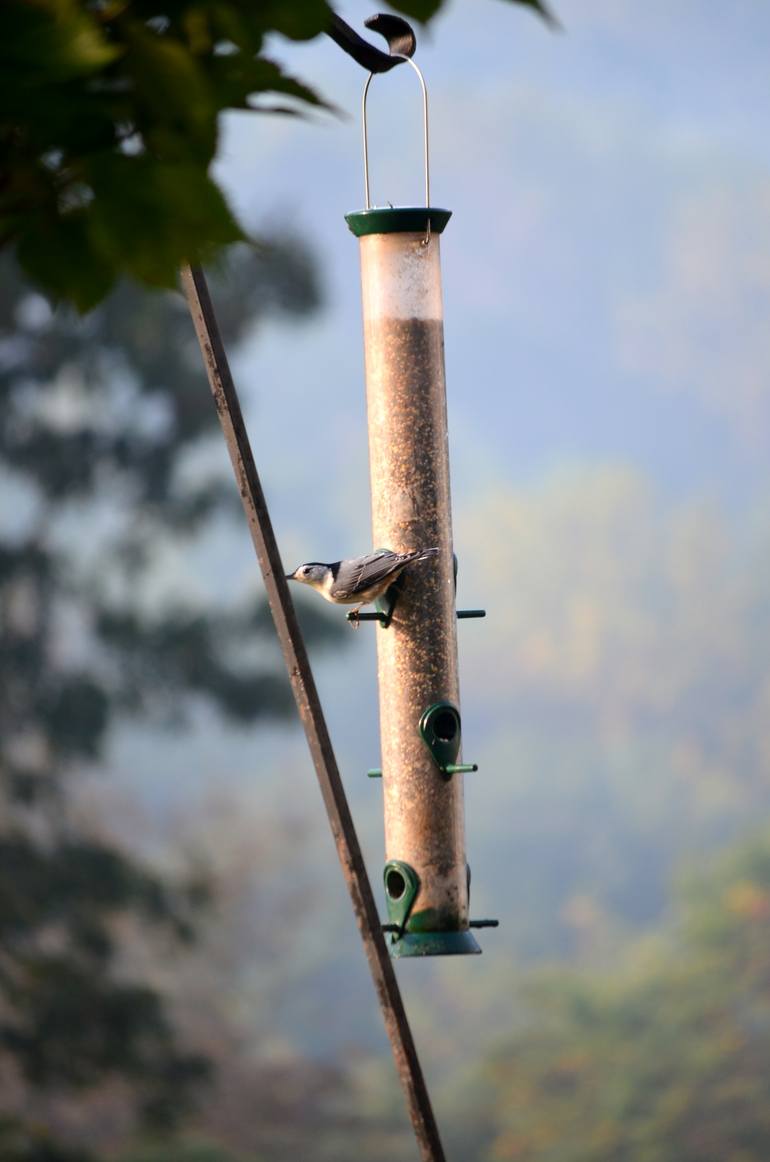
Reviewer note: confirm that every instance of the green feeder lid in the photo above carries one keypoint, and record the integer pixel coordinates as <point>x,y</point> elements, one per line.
<point>397,220</point>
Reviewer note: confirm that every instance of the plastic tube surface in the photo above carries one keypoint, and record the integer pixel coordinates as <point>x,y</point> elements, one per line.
<point>417,654</point>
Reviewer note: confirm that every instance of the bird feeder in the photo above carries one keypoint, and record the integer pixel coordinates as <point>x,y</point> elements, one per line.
<point>426,876</point>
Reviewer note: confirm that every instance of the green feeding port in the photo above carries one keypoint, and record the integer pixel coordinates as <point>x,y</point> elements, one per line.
<point>441,732</point>
<point>402,886</point>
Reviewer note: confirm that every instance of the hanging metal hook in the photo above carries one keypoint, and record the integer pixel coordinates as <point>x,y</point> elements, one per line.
<point>426,162</point>
<point>402,44</point>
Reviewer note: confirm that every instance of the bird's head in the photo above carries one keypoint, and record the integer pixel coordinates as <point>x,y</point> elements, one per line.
<point>311,573</point>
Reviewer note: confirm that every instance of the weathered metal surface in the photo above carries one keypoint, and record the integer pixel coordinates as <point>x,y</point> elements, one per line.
<point>417,654</point>
<point>311,714</point>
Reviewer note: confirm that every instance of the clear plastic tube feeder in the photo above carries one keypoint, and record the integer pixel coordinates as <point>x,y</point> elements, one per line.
<point>426,876</point>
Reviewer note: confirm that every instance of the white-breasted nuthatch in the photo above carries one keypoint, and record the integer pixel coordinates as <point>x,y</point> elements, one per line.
<point>358,580</point>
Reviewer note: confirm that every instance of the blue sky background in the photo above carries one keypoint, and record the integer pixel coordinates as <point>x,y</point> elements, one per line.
<point>609,189</point>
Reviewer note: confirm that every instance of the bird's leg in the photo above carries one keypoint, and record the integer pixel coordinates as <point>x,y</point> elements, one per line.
<point>353,617</point>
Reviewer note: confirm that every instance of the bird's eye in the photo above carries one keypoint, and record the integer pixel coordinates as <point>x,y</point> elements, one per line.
<point>306,571</point>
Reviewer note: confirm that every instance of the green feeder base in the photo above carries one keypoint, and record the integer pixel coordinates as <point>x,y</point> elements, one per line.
<point>433,944</point>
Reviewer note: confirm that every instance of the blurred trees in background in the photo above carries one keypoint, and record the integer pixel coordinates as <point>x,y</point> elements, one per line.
<point>668,1059</point>
<point>109,122</point>
<point>104,426</point>
<point>633,693</point>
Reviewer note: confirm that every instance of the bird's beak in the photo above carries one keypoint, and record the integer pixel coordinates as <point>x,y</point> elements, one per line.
<point>289,576</point>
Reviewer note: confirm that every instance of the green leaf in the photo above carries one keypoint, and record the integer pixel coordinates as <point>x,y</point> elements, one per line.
<point>59,256</point>
<point>39,47</point>
<point>421,10</point>
<point>176,111</point>
<point>300,20</point>
<point>80,77</point>
<point>150,217</point>
<point>239,28</point>
<point>541,10</point>
<point>238,81</point>
<point>268,76</point>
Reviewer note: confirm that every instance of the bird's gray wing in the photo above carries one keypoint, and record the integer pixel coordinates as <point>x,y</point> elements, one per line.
<point>363,573</point>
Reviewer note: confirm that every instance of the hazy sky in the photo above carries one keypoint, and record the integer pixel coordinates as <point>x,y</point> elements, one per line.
<point>606,279</point>
<point>607,269</point>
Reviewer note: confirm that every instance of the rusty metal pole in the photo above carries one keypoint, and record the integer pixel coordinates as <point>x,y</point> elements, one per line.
<point>306,696</point>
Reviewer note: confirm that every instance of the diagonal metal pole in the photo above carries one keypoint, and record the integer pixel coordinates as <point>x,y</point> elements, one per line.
<point>309,706</point>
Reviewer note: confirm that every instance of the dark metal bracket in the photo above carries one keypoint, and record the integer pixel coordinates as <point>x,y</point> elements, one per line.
<point>310,712</point>
<point>385,617</point>
<point>400,37</point>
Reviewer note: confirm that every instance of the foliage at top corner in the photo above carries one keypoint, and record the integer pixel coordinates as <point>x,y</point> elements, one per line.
<point>109,113</point>
<point>109,122</point>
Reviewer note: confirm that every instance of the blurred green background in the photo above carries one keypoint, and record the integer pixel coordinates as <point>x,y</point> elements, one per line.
<point>180,977</point>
